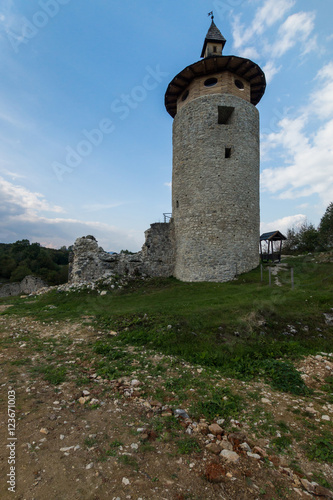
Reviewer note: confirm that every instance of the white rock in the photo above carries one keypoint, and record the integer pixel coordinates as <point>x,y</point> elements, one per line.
<point>265,400</point>
<point>231,456</point>
<point>134,446</point>
<point>90,466</point>
<point>135,382</point>
<point>325,417</point>
<point>245,447</point>
<point>125,481</point>
<point>253,455</point>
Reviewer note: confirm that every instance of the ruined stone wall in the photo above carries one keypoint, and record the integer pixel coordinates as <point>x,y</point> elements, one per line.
<point>89,262</point>
<point>215,186</point>
<point>29,284</point>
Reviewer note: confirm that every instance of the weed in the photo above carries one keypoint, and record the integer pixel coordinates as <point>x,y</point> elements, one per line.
<point>320,479</point>
<point>284,377</point>
<point>281,443</point>
<point>188,445</point>
<point>53,374</point>
<point>221,403</point>
<point>90,442</point>
<point>21,362</point>
<point>128,460</point>
<point>321,449</point>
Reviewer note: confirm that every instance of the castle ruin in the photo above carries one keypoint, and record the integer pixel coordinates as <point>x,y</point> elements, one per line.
<point>213,234</point>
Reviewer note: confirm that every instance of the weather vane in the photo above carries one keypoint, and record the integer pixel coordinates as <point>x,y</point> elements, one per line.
<point>211,14</point>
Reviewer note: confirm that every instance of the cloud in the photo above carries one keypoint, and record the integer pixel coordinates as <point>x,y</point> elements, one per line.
<point>297,28</point>
<point>283,224</point>
<point>19,196</point>
<point>95,207</point>
<point>266,15</point>
<point>168,184</point>
<point>257,38</point>
<point>270,70</point>
<point>22,215</point>
<point>307,165</point>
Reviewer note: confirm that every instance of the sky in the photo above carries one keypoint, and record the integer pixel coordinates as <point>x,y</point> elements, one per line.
<point>86,142</point>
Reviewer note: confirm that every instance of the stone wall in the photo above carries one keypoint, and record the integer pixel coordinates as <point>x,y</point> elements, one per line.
<point>89,262</point>
<point>29,284</point>
<point>215,189</point>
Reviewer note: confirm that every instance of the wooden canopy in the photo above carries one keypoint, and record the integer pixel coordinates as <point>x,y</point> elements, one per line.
<point>272,252</point>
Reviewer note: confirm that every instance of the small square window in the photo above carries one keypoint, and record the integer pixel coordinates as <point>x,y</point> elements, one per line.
<point>227,153</point>
<point>224,114</point>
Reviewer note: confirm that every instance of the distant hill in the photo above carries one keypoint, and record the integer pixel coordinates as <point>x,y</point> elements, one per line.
<point>23,258</point>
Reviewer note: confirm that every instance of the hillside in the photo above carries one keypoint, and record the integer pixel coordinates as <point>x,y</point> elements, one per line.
<point>102,372</point>
<point>22,258</point>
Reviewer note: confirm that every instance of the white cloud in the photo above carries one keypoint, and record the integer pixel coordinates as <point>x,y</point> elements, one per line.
<point>25,199</point>
<point>258,37</point>
<point>308,161</point>
<point>22,215</point>
<point>168,184</point>
<point>270,70</point>
<point>266,15</point>
<point>297,28</point>
<point>322,98</point>
<point>283,224</point>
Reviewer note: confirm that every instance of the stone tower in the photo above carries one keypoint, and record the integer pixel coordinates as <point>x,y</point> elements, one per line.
<point>215,179</point>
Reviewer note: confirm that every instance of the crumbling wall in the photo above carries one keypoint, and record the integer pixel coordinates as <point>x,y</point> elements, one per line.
<point>89,262</point>
<point>29,284</point>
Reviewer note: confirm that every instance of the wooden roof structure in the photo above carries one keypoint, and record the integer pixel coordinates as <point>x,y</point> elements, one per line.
<point>239,66</point>
<point>271,253</point>
<point>272,236</point>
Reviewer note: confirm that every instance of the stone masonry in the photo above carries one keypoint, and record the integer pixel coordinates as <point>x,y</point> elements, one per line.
<point>89,262</point>
<point>29,284</point>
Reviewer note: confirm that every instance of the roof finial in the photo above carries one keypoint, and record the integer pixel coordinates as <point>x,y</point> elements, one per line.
<point>211,14</point>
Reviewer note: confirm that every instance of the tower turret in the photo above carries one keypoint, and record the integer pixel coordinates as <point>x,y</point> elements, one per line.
<point>215,180</point>
<point>214,42</point>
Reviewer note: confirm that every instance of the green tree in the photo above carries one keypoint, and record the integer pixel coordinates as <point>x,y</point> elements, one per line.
<point>325,228</point>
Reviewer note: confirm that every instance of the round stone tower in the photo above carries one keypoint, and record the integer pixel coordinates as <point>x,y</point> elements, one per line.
<point>215,179</point>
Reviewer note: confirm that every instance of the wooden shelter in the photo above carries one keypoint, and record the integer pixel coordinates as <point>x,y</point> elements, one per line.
<point>271,246</point>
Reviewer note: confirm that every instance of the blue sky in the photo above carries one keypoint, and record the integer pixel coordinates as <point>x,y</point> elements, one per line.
<point>86,140</point>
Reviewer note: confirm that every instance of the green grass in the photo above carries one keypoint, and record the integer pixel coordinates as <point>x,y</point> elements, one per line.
<point>53,374</point>
<point>204,318</point>
<point>321,449</point>
<point>188,445</point>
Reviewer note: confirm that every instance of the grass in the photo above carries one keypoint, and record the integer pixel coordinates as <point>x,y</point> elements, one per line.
<point>321,449</point>
<point>241,328</point>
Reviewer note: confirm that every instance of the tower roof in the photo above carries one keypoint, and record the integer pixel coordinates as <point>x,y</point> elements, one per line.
<point>213,35</point>
<point>210,65</point>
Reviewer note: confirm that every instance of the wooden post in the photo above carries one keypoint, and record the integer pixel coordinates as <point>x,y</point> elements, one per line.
<point>261,273</point>
<point>270,277</point>
<point>292,278</point>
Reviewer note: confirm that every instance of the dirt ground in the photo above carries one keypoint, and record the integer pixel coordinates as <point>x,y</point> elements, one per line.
<point>96,439</point>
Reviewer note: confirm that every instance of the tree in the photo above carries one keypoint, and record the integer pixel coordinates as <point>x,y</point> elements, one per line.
<point>325,228</point>
<point>302,240</point>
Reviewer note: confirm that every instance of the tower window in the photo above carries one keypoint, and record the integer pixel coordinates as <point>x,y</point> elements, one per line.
<point>239,84</point>
<point>224,114</point>
<point>227,153</point>
<point>177,204</point>
<point>214,48</point>
<point>210,82</point>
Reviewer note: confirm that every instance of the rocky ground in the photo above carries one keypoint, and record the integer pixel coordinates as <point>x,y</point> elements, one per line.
<point>140,435</point>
